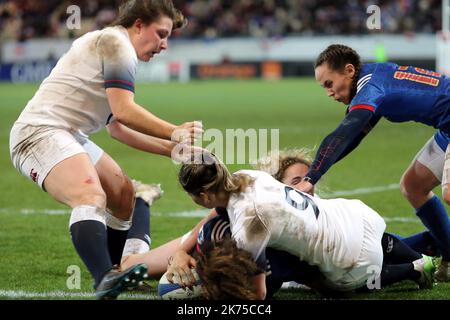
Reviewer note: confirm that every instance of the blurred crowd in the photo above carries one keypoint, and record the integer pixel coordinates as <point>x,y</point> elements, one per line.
<point>26,19</point>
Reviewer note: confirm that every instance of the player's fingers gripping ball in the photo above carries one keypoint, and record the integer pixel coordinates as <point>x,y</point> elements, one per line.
<point>175,291</point>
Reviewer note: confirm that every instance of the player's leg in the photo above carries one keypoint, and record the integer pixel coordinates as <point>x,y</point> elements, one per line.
<point>421,177</point>
<point>56,161</point>
<point>120,195</point>
<point>138,238</point>
<point>400,262</point>
<point>155,259</point>
<point>74,181</point>
<point>395,251</point>
<point>420,270</point>
<point>422,242</point>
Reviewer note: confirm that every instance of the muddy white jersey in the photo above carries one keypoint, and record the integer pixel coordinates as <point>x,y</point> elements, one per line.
<point>327,233</point>
<point>73,96</point>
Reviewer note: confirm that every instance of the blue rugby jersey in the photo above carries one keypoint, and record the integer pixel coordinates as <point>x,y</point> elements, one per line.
<point>404,93</point>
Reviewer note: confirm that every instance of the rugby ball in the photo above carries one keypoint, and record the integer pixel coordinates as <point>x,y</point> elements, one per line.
<point>173,291</point>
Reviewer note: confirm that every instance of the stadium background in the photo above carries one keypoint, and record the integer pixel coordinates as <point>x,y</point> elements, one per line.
<point>238,64</point>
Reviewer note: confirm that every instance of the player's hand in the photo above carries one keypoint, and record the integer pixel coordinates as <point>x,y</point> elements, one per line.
<point>305,186</point>
<point>188,132</point>
<point>179,269</point>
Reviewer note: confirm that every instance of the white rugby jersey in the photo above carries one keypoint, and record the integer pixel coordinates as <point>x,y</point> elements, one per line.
<point>73,96</point>
<point>327,233</point>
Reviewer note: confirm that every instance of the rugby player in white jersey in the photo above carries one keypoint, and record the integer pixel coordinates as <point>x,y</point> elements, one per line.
<point>343,238</point>
<point>400,262</point>
<point>90,88</point>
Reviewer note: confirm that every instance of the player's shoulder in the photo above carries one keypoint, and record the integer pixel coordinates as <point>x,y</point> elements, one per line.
<point>114,41</point>
<point>375,71</point>
<point>214,230</point>
<point>113,31</point>
<point>375,75</point>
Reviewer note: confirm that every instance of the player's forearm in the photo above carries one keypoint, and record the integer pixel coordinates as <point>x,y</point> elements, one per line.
<point>339,143</point>
<point>373,121</point>
<point>138,118</point>
<point>139,140</point>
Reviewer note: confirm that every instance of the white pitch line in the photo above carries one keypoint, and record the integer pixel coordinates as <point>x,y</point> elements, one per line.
<point>62,294</point>
<point>402,219</point>
<point>341,193</point>
<point>201,212</point>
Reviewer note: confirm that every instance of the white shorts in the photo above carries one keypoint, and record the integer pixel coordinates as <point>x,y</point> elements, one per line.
<point>437,160</point>
<point>370,260</point>
<point>35,150</point>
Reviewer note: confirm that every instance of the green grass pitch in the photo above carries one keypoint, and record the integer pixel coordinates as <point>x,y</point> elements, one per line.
<point>35,248</point>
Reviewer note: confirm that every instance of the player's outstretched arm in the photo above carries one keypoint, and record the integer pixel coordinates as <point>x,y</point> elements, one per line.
<point>135,117</point>
<point>335,145</point>
<point>139,140</point>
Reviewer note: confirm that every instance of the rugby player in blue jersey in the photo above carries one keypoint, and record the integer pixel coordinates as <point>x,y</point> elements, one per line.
<point>399,94</point>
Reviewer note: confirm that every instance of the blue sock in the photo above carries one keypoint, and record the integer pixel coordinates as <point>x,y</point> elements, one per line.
<point>138,239</point>
<point>89,239</point>
<point>116,243</point>
<point>434,216</point>
<point>140,228</point>
<point>422,242</point>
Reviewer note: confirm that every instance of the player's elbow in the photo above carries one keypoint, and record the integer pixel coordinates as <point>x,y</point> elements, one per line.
<point>114,129</point>
<point>122,116</point>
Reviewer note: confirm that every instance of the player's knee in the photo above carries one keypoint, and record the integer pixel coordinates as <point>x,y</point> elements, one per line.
<point>127,198</point>
<point>123,201</point>
<point>407,190</point>
<point>94,197</point>
<point>411,189</point>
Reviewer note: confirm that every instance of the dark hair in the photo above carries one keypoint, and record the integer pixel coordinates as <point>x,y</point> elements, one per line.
<point>211,175</point>
<point>226,271</point>
<point>148,11</point>
<point>337,56</point>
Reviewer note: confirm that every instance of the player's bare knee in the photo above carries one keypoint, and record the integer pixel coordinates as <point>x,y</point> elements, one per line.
<point>415,193</point>
<point>123,205</point>
<point>127,199</point>
<point>93,197</point>
<point>407,188</point>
